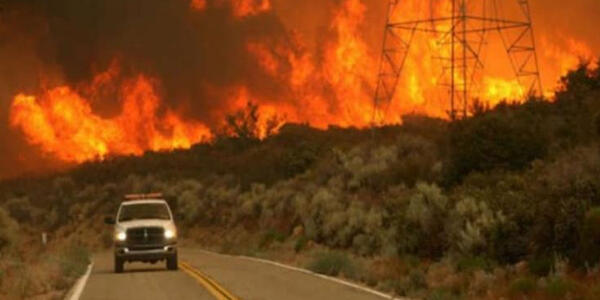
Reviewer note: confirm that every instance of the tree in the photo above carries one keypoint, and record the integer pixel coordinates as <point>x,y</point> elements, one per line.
<point>507,138</point>
<point>244,123</point>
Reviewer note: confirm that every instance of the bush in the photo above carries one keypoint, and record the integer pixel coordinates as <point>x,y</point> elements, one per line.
<point>443,294</point>
<point>300,244</point>
<point>426,215</point>
<point>403,287</point>
<point>8,230</point>
<point>19,209</point>
<point>473,263</point>
<point>506,138</point>
<point>471,224</point>
<point>364,244</point>
<point>523,285</point>
<point>271,236</point>
<point>418,160</point>
<point>558,226</point>
<point>364,165</point>
<point>590,245</point>
<point>333,264</point>
<point>593,292</point>
<point>481,283</point>
<point>571,174</point>
<point>189,205</point>
<point>392,285</point>
<point>417,280</point>
<point>74,261</point>
<point>558,287</point>
<point>541,265</point>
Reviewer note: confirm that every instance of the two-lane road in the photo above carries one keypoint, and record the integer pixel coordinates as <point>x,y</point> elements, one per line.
<point>246,279</point>
<point>139,281</point>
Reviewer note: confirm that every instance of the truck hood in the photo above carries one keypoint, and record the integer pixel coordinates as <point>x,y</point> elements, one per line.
<point>166,224</point>
<point>146,223</point>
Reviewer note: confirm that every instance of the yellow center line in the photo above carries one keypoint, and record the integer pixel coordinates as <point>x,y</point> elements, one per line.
<point>210,284</point>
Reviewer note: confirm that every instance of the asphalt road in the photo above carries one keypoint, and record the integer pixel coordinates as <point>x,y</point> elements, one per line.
<point>246,279</point>
<point>139,281</point>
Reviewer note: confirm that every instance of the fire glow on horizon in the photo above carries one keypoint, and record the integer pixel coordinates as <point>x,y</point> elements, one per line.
<point>334,86</point>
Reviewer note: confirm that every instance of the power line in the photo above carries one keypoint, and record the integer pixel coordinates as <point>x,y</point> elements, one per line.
<point>465,32</point>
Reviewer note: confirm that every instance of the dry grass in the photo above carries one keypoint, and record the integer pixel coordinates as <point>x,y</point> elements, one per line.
<point>31,270</point>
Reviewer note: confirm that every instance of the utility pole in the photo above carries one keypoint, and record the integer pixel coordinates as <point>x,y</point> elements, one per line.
<point>465,32</point>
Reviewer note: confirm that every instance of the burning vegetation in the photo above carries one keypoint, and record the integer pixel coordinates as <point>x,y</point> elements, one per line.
<point>504,204</point>
<point>115,79</point>
<point>62,122</point>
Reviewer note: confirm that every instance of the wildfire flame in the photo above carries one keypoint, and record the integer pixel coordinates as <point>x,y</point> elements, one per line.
<point>240,8</point>
<point>243,8</point>
<point>198,4</point>
<point>62,123</point>
<point>333,85</point>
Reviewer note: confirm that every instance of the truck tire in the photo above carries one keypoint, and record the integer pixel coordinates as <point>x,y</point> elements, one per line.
<point>118,265</point>
<point>172,262</point>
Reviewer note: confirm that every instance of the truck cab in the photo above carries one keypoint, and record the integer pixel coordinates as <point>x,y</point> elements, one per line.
<point>144,231</point>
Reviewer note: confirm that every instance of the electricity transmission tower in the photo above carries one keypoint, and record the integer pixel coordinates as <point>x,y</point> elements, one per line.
<point>460,30</point>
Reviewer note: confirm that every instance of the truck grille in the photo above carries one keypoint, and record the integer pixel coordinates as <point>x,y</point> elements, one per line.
<point>145,235</point>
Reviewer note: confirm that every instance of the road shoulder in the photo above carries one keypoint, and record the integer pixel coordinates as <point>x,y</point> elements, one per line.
<point>254,278</point>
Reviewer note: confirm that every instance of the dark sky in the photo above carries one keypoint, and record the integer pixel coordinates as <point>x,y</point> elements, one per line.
<point>67,41</point>
<point>45,43</point>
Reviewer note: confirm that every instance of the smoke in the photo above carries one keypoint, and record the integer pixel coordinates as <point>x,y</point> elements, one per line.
<point>187,50</point>
<point>194,55</point>
<point>574,19</point>
<point>198,53</point>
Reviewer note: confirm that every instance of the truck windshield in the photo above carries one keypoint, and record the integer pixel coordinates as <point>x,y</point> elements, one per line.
<point>144,211</point>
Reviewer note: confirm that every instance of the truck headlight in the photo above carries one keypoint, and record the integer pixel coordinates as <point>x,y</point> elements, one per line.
<point>169,234</point>
<point>121,236</point>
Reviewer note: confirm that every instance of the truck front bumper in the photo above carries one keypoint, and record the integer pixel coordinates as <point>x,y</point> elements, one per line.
<point>145,253</point>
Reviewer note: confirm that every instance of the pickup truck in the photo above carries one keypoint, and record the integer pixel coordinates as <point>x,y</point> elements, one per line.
<point>144,231</point>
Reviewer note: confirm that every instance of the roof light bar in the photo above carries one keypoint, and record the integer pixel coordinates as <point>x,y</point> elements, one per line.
<point>143,196</point>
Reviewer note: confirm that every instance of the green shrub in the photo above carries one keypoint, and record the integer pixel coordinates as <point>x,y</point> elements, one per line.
<point>271,236</point>
<point>300,243</point>
<point>364,244</point>
<point>541,265</point>
<point>188,203</point>
<point>508,243</point>
<point>593,292</point>
<point>558,287</point>
<point>426,212</point>
<point>417,280</point>
<point>392,285</point>
<point>74,261</point>
<point>364,165</point>
<point>505,138</point>
<point>473,263</point>
<point>19,209</point>
<point>443,294</point>
<point>471,225</point>
<point>23,283</point>
<point>523,285</point>
<point>8,229</point>
<point>333,264</point>
<point>590,245</point>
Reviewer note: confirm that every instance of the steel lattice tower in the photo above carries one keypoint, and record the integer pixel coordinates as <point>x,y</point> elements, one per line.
<point>464,33</point>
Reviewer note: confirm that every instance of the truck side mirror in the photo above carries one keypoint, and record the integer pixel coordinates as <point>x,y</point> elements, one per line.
<point>109,220</point>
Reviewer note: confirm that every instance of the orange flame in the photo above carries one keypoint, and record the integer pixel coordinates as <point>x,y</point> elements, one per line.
<point>244,8</point>
<point>63,124</point>
<point>240,8</point>
<point>198,4</point>
<point>332,85</point>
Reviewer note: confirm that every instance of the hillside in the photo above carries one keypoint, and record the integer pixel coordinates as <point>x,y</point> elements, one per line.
<point>502,204</point>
